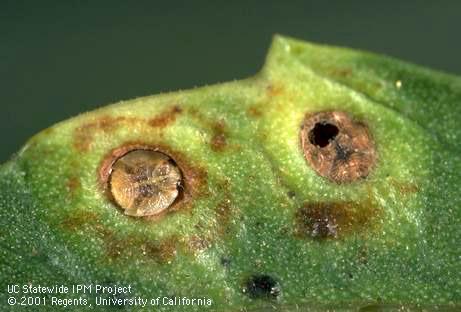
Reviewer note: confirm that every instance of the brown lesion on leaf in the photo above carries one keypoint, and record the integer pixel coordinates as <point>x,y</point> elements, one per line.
<point>274,89</point>
<point>122,247</point>
<point>192,187</point>
<point>332,220</point>
<point>205,235</point>
<point>337,147</point>
<point>223,214</point>
<point>197,244</point>
<point>404,188</point>
<point>164,119</point>
<point>84,134</point>
<point>130,248</point>
<point>78,219</point>
<point>255,111</point>
<point>341,72</point>
<point>73,185</point>
<point>219,140</point>
<point>224,210</point>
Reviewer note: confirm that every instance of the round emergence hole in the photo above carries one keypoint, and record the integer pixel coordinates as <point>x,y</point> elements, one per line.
<point>337,146</point>
<point>323,133</point>
<point>144,182</point>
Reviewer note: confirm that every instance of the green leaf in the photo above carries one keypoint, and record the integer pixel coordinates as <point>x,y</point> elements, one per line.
<point>257,225</point>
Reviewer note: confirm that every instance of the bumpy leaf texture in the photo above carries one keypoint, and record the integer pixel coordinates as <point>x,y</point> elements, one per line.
<point>265,218</point>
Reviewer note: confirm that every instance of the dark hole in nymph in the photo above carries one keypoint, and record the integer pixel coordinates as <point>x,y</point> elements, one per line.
<point>323,133</point>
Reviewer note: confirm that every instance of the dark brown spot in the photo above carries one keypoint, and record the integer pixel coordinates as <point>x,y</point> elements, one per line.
<point>165,118</point>
<point>225,261</point>
<point>73,184</point>
<point>254,112</point>
<point>218,141</point>
<point>337,147</point>
<point>163,251</point>
<point>333,219</point>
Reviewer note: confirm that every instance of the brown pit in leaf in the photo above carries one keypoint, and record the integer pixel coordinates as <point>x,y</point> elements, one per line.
<point>144,182</point>
<point>337,147</point>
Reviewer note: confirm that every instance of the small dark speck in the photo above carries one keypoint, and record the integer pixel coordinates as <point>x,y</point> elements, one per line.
<point>262,286</point>
<point>225,261</point>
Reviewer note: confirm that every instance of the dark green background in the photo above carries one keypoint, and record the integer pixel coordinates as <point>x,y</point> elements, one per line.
<point>59,59</point>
